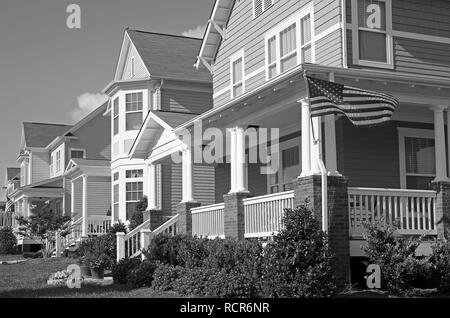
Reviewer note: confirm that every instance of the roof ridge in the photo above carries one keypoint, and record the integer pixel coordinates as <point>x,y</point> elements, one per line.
<point>49,124</point>
<point>165,34</point>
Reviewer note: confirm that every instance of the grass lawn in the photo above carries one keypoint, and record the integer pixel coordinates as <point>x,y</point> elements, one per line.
<point>7,258</point>
<point>29,280</point>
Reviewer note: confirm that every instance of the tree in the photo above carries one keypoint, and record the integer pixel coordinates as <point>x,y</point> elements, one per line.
<point>138,216</point>
<point>43,224</point>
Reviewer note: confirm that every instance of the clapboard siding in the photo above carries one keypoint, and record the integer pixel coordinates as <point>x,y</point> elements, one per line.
<point>67,196</point>
<point>185,101</point>
<point>77,199</point>
<point>98,196</point>
<point>425,17</point>
<point>40,166</point>
<point>244,32</point>
<point>204,184</point>
<point>171,188</point>
<point>370,157</point>
<point>225,97</point>
<point>415,56</point>
<point>255,81</point>
<point>329,50</point>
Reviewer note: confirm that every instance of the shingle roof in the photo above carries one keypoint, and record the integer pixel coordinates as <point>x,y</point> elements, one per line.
<point>39,135</point>
<point>91,162</point>
<point>12,172</point>
<point>169,56</point>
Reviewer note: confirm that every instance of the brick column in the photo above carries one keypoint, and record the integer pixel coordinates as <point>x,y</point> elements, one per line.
<point>234,222</point>
<point>185,217</point>
<point>442,208</point>
<point>156,218</point>
<point>310,188</point>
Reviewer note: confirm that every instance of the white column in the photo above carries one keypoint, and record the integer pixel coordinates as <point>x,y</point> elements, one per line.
<point>240,161</point>
<point>187,176</point>
<point>232,132</point>
<point>316,143</point>
<point>439,140</point>
<point>84,228</point>
<point>448,138</point>
<point>306,139</point>
<point>152,187</point>
<point>26,207</point>
<point>330,145</point>
<point>72,198</point>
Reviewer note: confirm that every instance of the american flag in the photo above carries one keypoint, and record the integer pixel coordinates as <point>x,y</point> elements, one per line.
<point>362,107</point>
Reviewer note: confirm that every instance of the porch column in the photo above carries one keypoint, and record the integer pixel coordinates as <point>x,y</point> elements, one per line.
<point>187,176</point>
<point>240,161</point>
<point>232,132</point>
<point>72,196</point>
<point>152,187</point>
<point>85,224</point>
<point>25,207</point>
<point>439,139</point>
<point>306,139</point>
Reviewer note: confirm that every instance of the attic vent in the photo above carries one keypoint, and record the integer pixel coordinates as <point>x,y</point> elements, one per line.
<point>260,6</point>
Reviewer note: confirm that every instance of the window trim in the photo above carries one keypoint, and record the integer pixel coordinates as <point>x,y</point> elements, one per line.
<point>402,134</point>
<point>58,161</point>
<point>77,149</point>
<point>134,111</point>
<point>236,56</point>
<point>275,32</point>
<point>389,37</point>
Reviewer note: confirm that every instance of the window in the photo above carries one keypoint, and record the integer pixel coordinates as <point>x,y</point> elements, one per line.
<point>116,176</point>
<point>116,116</point>
<point>372,33</point>
<point>417,158</point>
<point>237,74</point>
<point>58,161</point>
<point>77,154</point>
<point>116,201</point>
<point>133,194</point>
<point>261,6</point>
<point>290,44</point>
<point>133,110</point>
<point>289,170</point>
<point>131,174</point>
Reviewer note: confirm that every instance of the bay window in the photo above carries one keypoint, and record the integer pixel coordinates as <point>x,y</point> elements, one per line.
<point>116,116</point>
<point>133,111</point>
<point>134,193</point>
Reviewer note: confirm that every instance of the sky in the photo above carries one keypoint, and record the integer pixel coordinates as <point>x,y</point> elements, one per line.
<point>53,74</point>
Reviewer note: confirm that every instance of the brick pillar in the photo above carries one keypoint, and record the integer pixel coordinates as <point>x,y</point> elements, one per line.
<point>156,218</point>
<point>310,188</point>
<point>234,222</point>
<point>185,217</point>
<point>442,208</point>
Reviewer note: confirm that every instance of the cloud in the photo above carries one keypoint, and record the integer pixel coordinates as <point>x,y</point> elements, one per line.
<point>197,32</point>
<point>86,104</point>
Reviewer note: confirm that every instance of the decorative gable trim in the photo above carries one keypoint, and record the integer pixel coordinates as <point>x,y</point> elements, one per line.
<point>127,46</point>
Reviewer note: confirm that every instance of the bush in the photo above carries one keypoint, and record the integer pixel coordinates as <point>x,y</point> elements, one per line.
<point>138,216</point>
<point>401,269</point>
<point>122,270</point>
<point>298,263</point>
<point>233,284</point>
<point>440,264</point>
<point>192,251</point>
<point>142,275</point>
<point>8,241</point>
<point>165,277</point>
<point>193,281</point>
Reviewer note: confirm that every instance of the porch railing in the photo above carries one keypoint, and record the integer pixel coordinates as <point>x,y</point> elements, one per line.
<point>264,215</point>
<point>412,211</point>
<point>98,225</point>
<point>7,219</point>
<point>131,244</point>
<point>208,221</point>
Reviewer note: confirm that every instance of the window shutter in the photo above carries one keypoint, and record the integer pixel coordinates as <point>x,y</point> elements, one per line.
<point>257,7</point>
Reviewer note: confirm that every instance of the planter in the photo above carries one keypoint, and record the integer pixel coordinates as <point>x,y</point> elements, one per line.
<point>85,271</point>
<point>98,273</point>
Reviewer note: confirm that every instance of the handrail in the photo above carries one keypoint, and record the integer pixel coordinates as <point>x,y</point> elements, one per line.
<point>138,229</point>
<point>207,208</point>
<point>269,197</point>
<point>393,191</point>
<point>166,225</point>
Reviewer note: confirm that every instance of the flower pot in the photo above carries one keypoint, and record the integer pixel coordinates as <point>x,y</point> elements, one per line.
<point>98,273</point>
<point>85,271</point>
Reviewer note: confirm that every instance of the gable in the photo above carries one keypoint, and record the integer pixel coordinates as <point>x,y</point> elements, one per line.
<point>129,53</point>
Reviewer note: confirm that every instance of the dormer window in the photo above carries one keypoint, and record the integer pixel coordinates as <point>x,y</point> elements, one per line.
<point>261,6</point>
<point>372,33</point>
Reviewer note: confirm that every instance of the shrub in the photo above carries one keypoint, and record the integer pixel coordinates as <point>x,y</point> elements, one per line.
<point>165,276</point>
<point>401,269</point>
<point>138,215</point>
<point>298,263</point>
<point>142,275</point>
<point>440,264</point>
<point>193,281</point>
<point>121,270</point>
<point>192,251</point>
<point>233,284</point>
<point>8,241</point>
